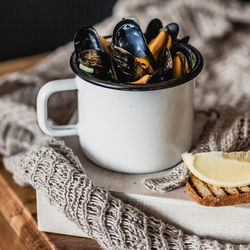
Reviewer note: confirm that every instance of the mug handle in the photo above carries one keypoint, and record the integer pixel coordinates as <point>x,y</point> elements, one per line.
<point>42,108</point>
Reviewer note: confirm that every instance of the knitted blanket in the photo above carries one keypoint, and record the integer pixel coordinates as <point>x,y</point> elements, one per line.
<point>220,30</point>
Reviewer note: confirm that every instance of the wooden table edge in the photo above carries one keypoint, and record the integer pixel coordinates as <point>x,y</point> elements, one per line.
<point>21,220</point>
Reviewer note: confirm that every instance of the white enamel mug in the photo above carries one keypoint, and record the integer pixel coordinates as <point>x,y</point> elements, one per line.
<point>130,128</point>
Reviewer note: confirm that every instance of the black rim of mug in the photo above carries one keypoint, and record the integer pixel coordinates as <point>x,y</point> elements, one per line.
<point>140,87</point>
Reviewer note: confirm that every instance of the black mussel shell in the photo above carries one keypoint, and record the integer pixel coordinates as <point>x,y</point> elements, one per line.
<point>186,58</point>
<point>128,36</point>
<point>153,29</point>
<point>156,76</point>
<point>94,62</point>
<point>91,55</point>
<point>165,71</point>
<point>167,67</point>
<point>173,30</point>
<point>129,59</point>
<point>125,65</point>
<point>87,38</point>
<point>184,40</point>
<point>160,45</point>
<point>185,50</point>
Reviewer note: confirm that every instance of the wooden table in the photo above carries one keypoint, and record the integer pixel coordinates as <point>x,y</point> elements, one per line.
<point>18,226</point>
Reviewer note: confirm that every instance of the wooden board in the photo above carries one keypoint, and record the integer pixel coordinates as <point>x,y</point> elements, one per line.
<point>18,225</point>
<point>18,207</point>
<point>9,239</point>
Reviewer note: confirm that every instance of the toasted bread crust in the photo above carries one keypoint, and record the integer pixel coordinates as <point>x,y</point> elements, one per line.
<point>203,194</point>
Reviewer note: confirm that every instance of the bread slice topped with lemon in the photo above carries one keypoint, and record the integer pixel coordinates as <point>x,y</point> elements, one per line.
<point>218,178</point>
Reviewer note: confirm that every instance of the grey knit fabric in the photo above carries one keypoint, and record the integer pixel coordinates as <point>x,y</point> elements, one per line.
<point>53,169</point>
<point>221,30</point>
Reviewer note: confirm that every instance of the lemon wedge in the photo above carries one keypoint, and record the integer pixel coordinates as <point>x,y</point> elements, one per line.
<point>220,169</point>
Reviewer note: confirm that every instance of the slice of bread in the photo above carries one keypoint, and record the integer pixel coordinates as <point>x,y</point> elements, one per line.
<point>210,195</point>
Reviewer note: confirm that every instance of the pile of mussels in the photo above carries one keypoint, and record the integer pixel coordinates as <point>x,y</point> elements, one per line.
<point>134,57</point>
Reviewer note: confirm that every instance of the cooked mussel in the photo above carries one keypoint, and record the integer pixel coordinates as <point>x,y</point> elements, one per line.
<point>183,60</point>
<point>153,29</point>
<point>92,52</point>
<point>163,73</point>
<point>134,57</point>
<point>128,36</point>
<point>173,30</point>
<point>167,66</point>
<point>174,66</point>
<point>163,41</point>
<point>184,39</point>
<point>126,66</point>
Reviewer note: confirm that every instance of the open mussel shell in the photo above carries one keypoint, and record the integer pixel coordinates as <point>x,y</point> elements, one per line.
<point>184,40</point>
<point>87,38</point>
<point>94,62</point>
<point>167,67</point>
<point>163,73</point>
<point>152,29</point>
<point>185,50</point>
<point>92,56</point>
<point>127,68</point>
<point>127,35</point>
<point>173,30</point>
<point>156,77</point>
<point>123,86</point>
<point>163,42</point>
<point>183,60</point>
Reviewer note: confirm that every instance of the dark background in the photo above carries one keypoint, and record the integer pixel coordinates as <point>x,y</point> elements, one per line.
<point>33,26</point>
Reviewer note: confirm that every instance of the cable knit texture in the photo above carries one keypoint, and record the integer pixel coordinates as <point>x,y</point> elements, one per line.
<point>53,169</point>
<point>221,31</point>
